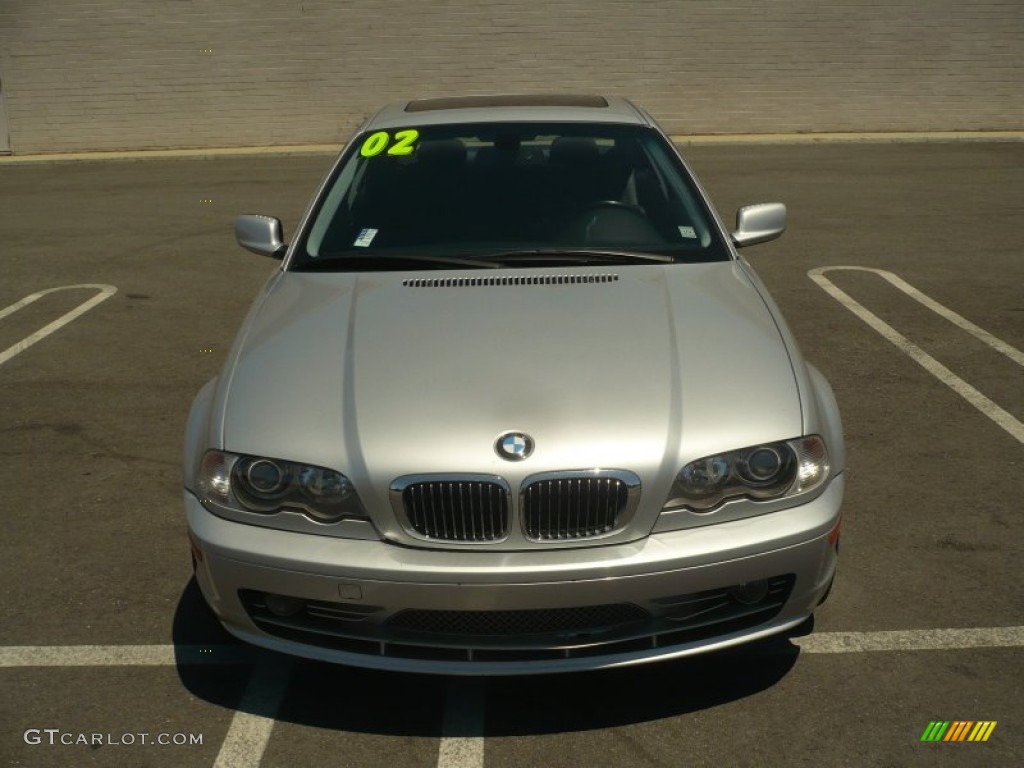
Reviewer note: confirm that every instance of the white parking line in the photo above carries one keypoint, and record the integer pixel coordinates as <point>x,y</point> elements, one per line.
<point>253,722</point>
<point>105,292</point>
<point>462,737</point>
<point>959,320</point>
<point>462,732</point>
<point>911,640</point>
<point>993,411</point>
<point>20,656</point>
<point>122,655</point>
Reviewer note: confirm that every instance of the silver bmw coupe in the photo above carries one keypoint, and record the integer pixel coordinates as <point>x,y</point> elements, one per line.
<point>512,404</point>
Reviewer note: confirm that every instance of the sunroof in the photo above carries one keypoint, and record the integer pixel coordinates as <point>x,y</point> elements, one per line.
<point>476,102</point>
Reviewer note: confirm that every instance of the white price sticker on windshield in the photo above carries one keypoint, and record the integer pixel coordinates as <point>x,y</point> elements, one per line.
<point>365,238</point>
<point>688,232</point>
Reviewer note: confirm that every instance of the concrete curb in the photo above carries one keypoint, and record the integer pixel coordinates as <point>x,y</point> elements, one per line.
<point>903,137</point>
<point>150,154</point>
<point>908,137</point>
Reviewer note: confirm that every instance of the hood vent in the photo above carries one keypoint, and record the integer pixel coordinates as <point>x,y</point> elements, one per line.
<point>507,280</point>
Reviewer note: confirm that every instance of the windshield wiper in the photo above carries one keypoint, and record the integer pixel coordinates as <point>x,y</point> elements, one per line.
<point>495,260</point>
<point>578,255</point>
<point>329,260</point>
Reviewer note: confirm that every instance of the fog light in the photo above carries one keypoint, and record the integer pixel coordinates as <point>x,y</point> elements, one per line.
<point>751,592</point>
<point>282,605</point>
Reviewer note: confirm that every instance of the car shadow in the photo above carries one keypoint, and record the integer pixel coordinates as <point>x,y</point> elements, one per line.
<point>400,704</point>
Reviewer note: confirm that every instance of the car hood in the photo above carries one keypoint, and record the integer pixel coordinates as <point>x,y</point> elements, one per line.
<point>386,374</point>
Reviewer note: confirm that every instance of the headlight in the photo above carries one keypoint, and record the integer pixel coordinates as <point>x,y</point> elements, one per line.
<point>258,484</point>
<point>760,472</point>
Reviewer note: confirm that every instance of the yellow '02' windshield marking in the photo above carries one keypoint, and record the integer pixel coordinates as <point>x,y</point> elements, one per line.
<point>404,143</point>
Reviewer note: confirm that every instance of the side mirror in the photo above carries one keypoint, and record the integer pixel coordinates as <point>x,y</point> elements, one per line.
<point>260,234</point>
<point>759,223</point>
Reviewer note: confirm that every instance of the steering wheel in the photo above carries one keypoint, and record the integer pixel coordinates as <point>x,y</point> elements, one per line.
<point>609,222</point>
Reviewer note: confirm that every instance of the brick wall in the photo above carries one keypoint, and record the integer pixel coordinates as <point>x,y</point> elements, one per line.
<point>125,74</point>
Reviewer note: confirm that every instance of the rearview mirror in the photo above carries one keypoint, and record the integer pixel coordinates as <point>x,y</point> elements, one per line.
<point>260,234</point>
<point>759,223</point>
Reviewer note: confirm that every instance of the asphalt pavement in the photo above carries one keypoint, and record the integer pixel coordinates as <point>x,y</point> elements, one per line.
<point>95,562</point>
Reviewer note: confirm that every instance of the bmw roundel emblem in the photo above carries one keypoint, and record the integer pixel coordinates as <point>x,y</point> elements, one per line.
<point>514,446</point>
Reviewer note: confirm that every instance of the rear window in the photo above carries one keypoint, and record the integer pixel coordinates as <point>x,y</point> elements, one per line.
<point>479,189</point>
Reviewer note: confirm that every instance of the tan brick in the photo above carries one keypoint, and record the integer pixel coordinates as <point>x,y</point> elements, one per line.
<point>308,72</point>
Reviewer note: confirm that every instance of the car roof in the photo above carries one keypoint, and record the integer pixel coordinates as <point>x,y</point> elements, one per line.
<point>508,108</point>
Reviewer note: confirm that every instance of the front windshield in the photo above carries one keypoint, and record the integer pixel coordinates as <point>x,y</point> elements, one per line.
<point>457,196</point>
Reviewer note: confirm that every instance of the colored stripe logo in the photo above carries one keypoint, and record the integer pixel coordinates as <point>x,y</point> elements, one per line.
<point>958,730</point>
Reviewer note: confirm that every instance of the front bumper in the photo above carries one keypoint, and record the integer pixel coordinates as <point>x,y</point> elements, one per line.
<point>373,604</point>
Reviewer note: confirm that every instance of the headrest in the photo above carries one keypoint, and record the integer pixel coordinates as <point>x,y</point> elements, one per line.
<point>573,149</point>
<point>447,152</point>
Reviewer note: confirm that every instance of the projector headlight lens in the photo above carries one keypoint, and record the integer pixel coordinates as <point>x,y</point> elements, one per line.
<point>760,472</point>
<point>265,485</point>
